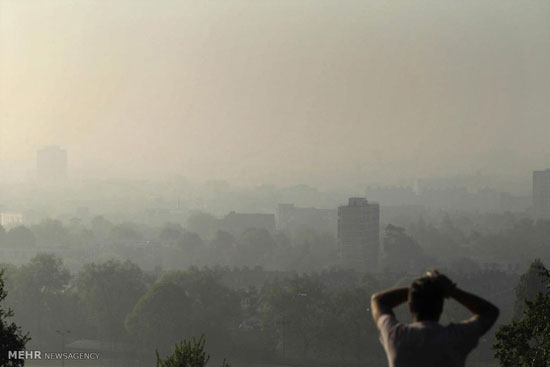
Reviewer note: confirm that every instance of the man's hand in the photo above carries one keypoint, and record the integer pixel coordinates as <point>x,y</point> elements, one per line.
<point>447,285</point>
<point>484,311</point>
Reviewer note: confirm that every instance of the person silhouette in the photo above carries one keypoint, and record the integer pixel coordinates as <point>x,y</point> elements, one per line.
<point>425,342</point>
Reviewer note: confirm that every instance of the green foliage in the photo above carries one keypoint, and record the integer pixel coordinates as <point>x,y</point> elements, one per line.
<point>189,353</point>
<point>110,290</point>
<point>519,243</point>
<point>171,232</point>
<point>202,223</point>
<point>526,343</point>
<point>310,322</point>
<point>254,246</point>
<point>402,252</point>
<point>530,284</point>
<point>182,304</point>
<point>40,297</point>
<point>296,310</point>
<point>51,232</point>
<point>11,337</point>
<point>161,317</point>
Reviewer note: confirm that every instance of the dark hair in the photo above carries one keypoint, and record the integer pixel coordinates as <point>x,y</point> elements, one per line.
<point>426,298</point>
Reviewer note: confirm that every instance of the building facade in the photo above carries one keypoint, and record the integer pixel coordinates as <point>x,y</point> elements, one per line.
<point>541,194</point>
<point>359,234</point>
<point>291,219</point>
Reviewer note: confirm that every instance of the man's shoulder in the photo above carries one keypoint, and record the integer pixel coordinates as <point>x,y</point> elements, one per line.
<point>468,328</point>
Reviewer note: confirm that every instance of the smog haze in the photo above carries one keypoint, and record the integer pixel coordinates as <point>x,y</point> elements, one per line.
<point>315,92</point>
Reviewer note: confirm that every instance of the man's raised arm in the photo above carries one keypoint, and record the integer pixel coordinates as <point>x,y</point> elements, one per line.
<point>384,302</point>
<point>484,311</point>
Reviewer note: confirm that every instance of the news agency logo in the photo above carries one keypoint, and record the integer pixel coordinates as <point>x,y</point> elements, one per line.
<point>35,355</point>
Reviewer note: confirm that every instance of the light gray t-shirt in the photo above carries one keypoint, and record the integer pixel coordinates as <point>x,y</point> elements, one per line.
<point>427,343</point>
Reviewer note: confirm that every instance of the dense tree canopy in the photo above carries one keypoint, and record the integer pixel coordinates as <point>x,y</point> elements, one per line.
<point>110,290</point>
<point>11,336</point>
<point>526,343</point>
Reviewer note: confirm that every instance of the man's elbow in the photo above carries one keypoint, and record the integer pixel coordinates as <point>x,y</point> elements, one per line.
<point>493,312</point>
<point>375,299</point>
<point>490,315</point>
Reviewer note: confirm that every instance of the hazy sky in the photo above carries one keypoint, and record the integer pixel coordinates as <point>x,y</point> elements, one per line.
<point>283,91</point>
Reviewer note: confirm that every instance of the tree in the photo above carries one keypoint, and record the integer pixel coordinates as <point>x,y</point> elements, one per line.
<point>171,232</point>
<point>526,343</point>
<point>297,311</point>
<point>3,235</point>
<point>51,232</point>
<point>203,224</point>
<point>254,246</point>
<point>352,329</point>
<point>182,304</point>
<point>221,248</point>
<point>39,295</point>
<point>110,290</point>
<point>161,317</point>
<point>189,353</point>
<point>11,336</point>
<point>313,251</point>
<point>402,252</point>
<point>124,233</point>
<point>530,284</point>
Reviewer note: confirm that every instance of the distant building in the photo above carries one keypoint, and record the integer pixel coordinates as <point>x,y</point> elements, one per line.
<point>11,219</point>
<point>359,234</point>
<point>236,223</point>
<point>541,194</point>
<point>291,218</point>
<point>51,163</point>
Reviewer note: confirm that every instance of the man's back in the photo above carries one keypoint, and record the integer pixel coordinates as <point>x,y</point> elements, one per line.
<point>427,343</point>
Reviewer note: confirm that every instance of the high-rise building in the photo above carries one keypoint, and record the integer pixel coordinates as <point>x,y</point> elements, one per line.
<point>359,234</point>
<point>51,163</point>
<point>541,194</point>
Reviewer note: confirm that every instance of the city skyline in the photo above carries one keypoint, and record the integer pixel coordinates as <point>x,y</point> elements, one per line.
<point>302,92</point>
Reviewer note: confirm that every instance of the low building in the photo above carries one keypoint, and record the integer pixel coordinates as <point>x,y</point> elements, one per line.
<point>236,223</point>
<point>291,218</point>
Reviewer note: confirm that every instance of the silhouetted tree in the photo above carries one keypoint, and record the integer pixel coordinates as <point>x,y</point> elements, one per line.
<point>38,295</point>
<point>11,336</point>
<point>530,284</point>
<point>110,290</point>
<point>526,343</point>
<point>171,232</point>
<point>161,317</point>
<point>51,232</point>
<point>203,224</point>
<point>254,246</point>
<point>402,252</point>
<point>189,353</point>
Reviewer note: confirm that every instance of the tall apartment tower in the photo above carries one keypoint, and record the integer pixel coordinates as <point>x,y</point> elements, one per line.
<point>541,194</point>
<point>359,234</point>
<point>51,163</point>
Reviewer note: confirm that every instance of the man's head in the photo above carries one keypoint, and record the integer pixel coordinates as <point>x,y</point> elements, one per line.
<point>426,299</point>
